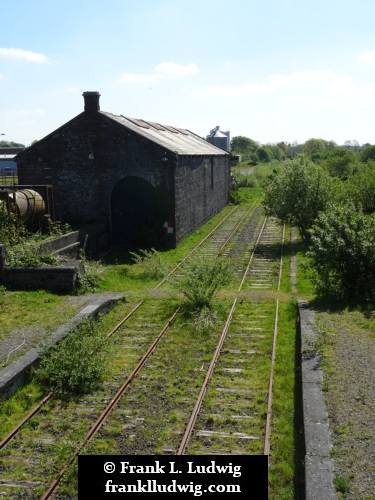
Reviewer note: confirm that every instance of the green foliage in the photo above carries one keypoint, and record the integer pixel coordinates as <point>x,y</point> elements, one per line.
<point>236,197</point>
<point>342,250</point>
<point>151,263</point>
<point>245,147</point>
<point>12,230</point>
<point>244,180</point>
<point>314,149</point>
<point>202,279</point>
<point>342,485</point>
<point>23,247</point>
<point>77,364</point>
<point>91,280</point>
<point>11,144</point>
<point>26,254</point>
<point>367,153</point>
<point>204,321</point>
<point>56,228</point>
<point>253,152</point>
<point>265,154</point>
<point>297,192</point>
<point>338,162</point>
<point>361,186</point>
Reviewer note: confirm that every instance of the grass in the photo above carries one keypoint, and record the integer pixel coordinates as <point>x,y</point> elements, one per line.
<point>287,449</point>
<point>38,311</point>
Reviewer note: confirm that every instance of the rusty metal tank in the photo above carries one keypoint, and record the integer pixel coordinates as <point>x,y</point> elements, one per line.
<point>29,204</point>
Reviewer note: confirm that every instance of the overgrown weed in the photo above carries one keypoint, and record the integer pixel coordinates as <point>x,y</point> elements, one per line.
<point>77,364</point>
<point>151,263</point>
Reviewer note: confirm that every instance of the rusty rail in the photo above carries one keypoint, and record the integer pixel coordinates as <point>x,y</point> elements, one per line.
<point>106,412</point>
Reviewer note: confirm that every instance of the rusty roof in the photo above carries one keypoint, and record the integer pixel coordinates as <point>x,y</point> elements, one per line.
<point>174,139</point>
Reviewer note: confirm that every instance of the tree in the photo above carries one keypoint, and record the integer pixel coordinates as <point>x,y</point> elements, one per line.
<point>277,152</point>
<point>367,153</point>
<point>361,186</point>
<point>314,149</point>
<point>265,154</point>
<point>245,147</point>
<point>342,250</point>
<point>11,144</point>
<point>286,150</point>
<point>338,162</point>
<point>297,192</point>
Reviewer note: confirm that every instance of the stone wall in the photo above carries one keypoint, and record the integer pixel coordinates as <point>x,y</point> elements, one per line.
<point>202,188</point>
<point>61,279</point>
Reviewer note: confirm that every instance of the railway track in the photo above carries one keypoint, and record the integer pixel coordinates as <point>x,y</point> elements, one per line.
<point>239,380</point>
<point>133,335</point>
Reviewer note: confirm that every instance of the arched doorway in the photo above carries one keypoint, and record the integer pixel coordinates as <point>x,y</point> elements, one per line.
<point>134,212</point>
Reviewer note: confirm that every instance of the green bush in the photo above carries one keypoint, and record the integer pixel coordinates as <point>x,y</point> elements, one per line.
<point>77,364</point>
<point>202,279</point>
<point>12,230</point>
<point>342,250</point>
<point>27,254</point>
<point>91,280</point>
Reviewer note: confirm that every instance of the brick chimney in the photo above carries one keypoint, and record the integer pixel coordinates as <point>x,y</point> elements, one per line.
<point>91,102</point>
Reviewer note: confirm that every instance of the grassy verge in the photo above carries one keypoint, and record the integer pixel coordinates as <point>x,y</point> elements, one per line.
<point>286,473</point>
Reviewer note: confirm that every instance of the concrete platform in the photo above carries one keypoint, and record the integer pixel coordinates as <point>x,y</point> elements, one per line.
<point>318,464</point>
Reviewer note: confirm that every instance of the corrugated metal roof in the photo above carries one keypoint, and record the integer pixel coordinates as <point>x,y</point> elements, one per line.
<point>173,139</point>
<point>6,157</point>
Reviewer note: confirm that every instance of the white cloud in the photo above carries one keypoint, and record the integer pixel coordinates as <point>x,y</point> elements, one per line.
<point>299,83</point>
<point>368,55</point>
<point>161,71</point>
<point>23,55</point>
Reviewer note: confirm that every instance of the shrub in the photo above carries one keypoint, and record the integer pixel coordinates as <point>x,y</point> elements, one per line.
<point>202,279</point>
<point>361,186</point>
<point>12,230</point>
<point>56,228</point>
<point>343,251</point>
<point>77,364</point>
<point>90,281</point>
<point>26,255</point>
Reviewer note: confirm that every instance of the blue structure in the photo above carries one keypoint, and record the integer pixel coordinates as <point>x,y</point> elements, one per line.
<point>8,165</point>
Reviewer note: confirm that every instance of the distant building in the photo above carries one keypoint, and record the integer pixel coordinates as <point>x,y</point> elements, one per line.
<point>220,137</point>
<point>141,181</point>
<point>8,165</point>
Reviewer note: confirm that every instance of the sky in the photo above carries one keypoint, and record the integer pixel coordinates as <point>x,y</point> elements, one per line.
<point>269,70</point>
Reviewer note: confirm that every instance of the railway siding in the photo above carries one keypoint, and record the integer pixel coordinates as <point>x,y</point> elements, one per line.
<point>151,417</point>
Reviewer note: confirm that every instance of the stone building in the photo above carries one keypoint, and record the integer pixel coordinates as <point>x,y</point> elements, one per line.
<point>140,181</point>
